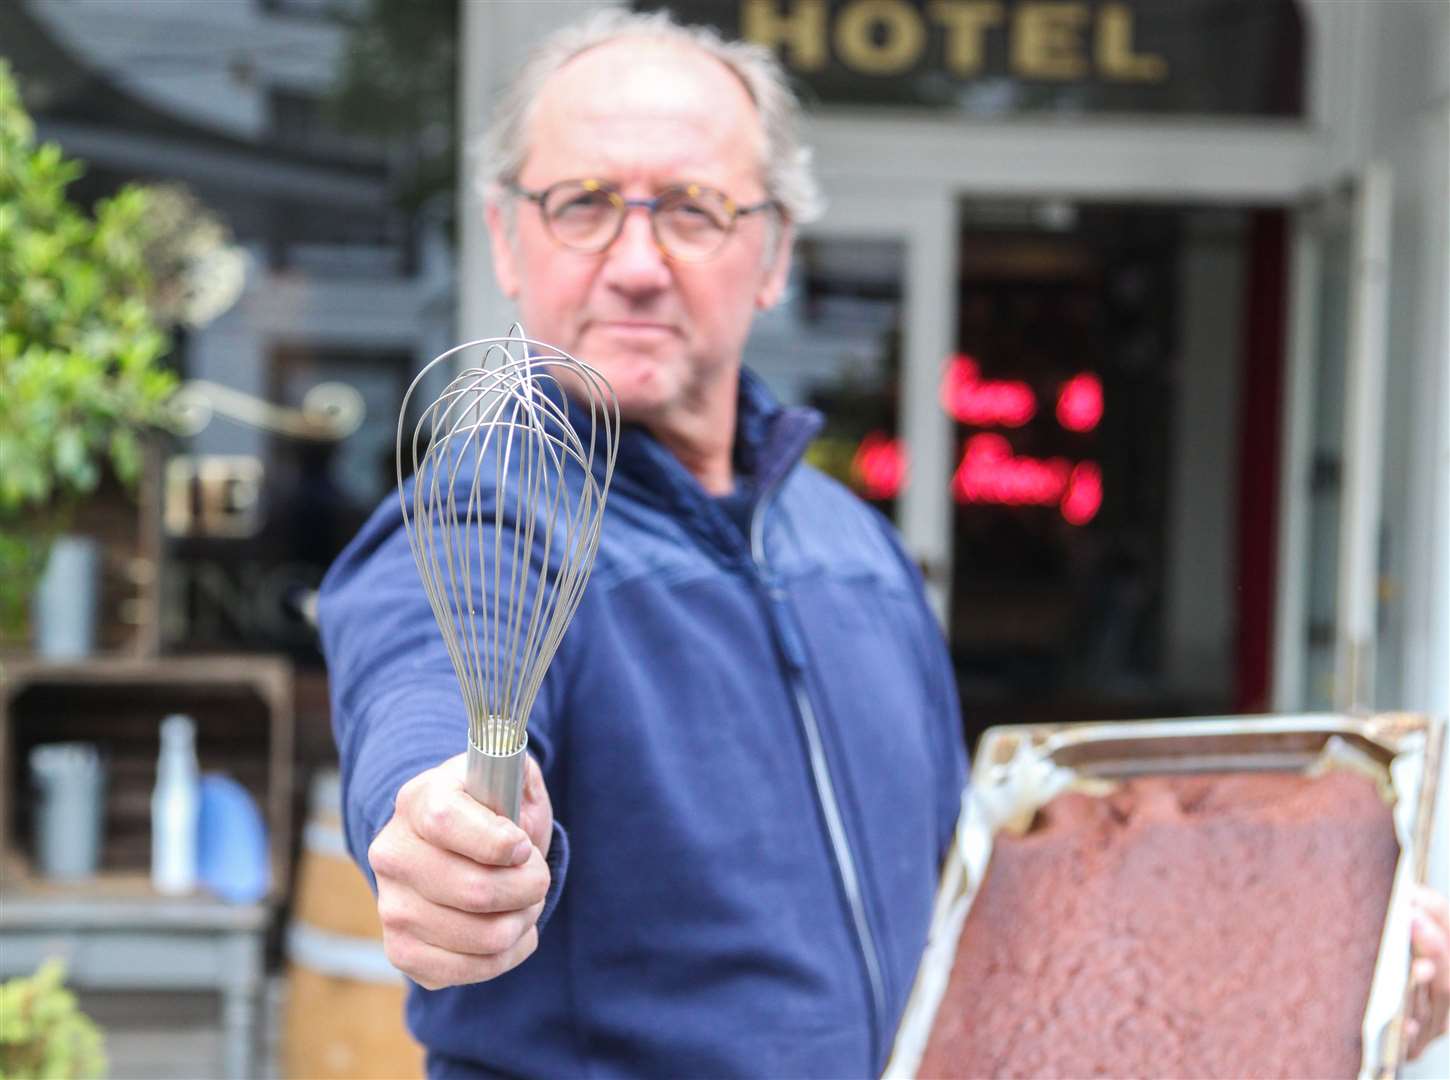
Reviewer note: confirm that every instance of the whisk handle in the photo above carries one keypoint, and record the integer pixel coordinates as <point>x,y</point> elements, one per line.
<point>497,780</point>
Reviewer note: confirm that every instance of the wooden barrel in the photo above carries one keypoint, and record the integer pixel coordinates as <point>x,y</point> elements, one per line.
<point>344,1003</point>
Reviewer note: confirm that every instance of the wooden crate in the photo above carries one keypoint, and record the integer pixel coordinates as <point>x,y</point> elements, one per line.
<point>242,706</point>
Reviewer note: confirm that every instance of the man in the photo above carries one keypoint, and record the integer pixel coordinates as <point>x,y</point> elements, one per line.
<point>748,752</point>
<point>746,761</point>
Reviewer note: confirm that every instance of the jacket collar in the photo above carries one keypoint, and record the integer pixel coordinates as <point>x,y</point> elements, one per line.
<point>770,439</point>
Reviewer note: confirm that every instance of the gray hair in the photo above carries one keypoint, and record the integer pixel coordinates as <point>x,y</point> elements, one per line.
<point>786,170</point>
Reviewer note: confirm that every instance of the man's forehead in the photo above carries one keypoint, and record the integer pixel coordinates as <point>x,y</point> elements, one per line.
<point>620,59</point>
<point>662,82</point>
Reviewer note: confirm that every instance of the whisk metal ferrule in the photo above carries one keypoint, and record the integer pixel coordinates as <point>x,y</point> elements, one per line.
<point>497,779</point>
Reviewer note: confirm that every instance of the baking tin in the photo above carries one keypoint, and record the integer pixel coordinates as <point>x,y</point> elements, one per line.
<point>1019,768</point>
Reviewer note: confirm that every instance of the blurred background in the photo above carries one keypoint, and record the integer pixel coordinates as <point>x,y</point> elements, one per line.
<point>1134,316</point>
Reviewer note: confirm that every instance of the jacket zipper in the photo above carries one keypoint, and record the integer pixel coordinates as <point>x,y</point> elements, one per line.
<point>788,639</point>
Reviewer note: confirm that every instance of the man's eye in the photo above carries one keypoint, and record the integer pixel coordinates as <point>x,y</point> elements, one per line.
<point>586,202</point>
<point>696,213</point>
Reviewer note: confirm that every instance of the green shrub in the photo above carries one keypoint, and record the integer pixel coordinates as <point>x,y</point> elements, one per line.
<point>80,352</point>
<point>43,1036</point>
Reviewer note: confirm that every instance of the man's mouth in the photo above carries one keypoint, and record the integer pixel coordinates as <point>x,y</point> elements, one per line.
<point>639,328</point>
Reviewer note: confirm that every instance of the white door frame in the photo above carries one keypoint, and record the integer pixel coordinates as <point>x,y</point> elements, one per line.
<point>1366,202</point>
<point>1296,458</point>
<point>1364,421</point>
<point>924,222</point>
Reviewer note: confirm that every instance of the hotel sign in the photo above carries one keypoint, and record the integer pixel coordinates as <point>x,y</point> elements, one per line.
<point>1000,57</point>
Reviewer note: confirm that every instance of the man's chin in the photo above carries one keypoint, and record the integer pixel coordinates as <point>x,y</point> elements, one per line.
<point>649,381</point>
<point>637,406</point>
<point>638,382</point>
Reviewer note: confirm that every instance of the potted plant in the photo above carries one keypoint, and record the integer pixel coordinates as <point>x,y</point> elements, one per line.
<point>43,1035</point>
<point>81,377</point>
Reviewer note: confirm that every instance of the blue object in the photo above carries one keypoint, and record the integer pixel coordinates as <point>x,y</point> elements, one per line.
<point>700,927</point>
<point>231,841</point>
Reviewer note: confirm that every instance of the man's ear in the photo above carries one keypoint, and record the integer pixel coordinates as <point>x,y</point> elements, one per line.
<point>505,270</point>
<point>777,273</point>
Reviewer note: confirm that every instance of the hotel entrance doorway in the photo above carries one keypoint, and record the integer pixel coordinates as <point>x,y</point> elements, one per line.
<point>1115,392</point>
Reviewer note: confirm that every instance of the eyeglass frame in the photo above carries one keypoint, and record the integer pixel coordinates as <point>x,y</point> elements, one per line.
<point>649,205</point>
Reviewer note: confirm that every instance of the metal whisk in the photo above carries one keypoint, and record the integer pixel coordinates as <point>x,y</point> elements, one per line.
<point>503,519</point>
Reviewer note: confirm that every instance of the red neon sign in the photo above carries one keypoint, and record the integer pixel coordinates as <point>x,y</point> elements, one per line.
<point>990,472</point>
<point>1080,402</point>
<point>1084,496</point>
<point>985,402</point>
<point>879,466</point>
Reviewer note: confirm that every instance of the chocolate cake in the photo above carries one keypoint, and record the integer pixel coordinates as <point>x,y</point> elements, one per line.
<point>1191,926</point>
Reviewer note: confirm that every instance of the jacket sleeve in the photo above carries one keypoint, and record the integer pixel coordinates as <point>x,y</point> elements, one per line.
<point>396,705</point>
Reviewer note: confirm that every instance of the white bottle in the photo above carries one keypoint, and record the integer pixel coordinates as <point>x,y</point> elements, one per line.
<point>175,806</point>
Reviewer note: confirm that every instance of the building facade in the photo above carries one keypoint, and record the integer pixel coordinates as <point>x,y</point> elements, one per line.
<point>1237,275</point>
<point>1136,319</point>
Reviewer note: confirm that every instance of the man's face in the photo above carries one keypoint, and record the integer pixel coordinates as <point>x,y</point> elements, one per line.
<point>668,335</point>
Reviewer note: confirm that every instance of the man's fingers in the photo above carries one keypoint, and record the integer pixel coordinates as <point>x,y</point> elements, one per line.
<point>460,889</point>
<point>1429,972</point>
<point>537,814</point>
<point>1413,1044</point>
<point>480,935</point>
<point>408,915</point>
<point>448,817</point>
<point>454,881</point>
<point>1428,902</point>
<point>1430,943</point>
<point>433,968</point>
<point>488,890</point>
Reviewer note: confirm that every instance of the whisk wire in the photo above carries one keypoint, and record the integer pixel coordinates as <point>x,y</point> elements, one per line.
<point>505,585</point>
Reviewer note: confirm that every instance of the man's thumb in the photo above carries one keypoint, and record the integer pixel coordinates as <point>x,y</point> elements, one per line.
<point>537,814</point>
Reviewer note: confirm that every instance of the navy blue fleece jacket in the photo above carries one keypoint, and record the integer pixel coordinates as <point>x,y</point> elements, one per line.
<point>754,755</point>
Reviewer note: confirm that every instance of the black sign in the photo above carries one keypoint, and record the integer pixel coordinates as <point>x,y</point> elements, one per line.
<point>1004,57</point>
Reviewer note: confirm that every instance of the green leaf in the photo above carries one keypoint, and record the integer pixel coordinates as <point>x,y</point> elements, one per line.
<point>125,454</point>
<point>81,371</point>
<point>70,451</point>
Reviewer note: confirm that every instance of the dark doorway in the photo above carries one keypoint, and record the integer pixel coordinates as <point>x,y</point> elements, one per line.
<point>1116,396</point>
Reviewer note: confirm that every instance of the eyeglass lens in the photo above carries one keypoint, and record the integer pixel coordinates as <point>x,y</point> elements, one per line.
<point>689,223</point>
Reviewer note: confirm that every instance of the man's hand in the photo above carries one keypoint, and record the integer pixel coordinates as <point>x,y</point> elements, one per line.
<point>459,887</point>
<point>1429,971</point>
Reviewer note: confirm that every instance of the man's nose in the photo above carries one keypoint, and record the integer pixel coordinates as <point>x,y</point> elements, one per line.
<point>634,263</point>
